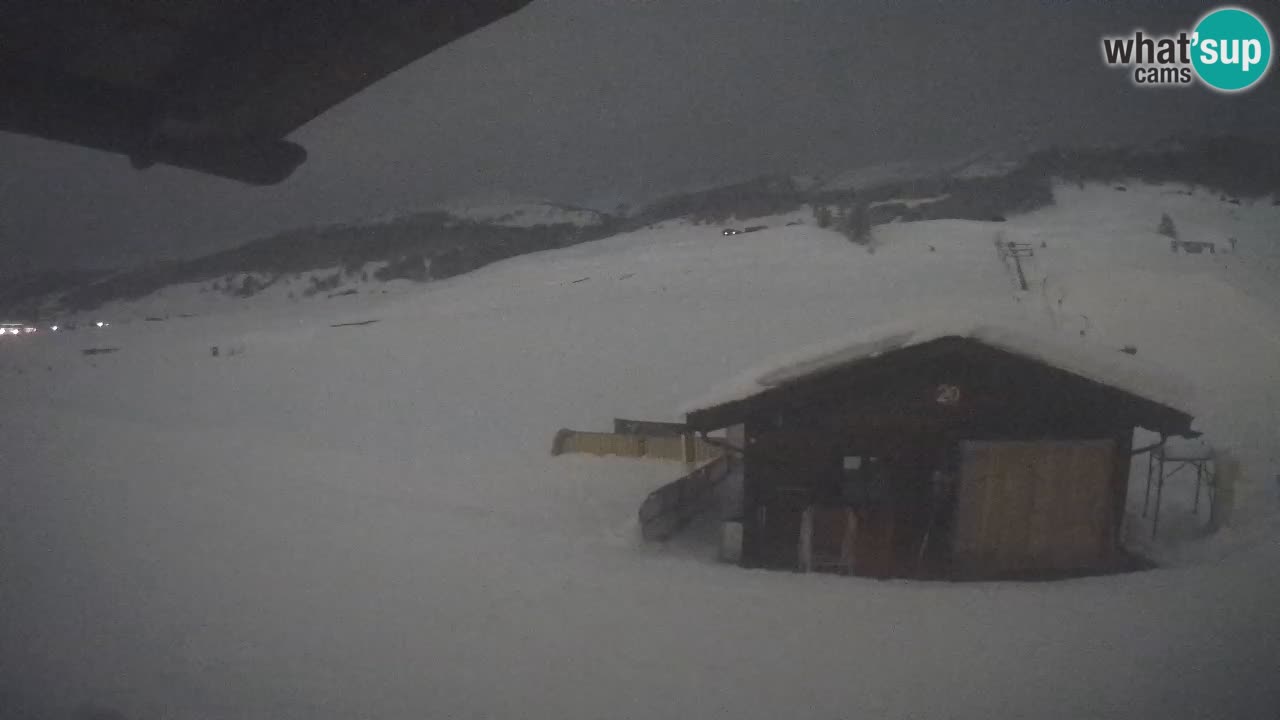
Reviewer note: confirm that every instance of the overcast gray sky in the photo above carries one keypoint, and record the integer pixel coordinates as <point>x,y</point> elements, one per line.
<point>596,102</point>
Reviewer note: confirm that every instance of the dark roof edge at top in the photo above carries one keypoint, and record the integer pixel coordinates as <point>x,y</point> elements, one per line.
<point>225,92</point>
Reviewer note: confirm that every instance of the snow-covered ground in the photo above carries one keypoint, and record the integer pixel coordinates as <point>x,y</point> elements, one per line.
<point>278,294</point>
<point>365,522</point>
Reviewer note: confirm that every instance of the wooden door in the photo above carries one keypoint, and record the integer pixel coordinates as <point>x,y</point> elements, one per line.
<point>1029,507</point>
<point>873,550</point>
<point>781,516</point>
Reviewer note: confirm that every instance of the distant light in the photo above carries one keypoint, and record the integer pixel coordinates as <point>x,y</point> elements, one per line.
<point>101,324</point>
<point>28,329</point>
<point>53,328</point>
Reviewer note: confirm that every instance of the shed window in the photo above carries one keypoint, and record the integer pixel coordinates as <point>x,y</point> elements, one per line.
<point>865,480</point>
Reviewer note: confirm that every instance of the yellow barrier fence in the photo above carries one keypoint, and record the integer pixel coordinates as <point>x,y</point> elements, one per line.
<point>635,446</point>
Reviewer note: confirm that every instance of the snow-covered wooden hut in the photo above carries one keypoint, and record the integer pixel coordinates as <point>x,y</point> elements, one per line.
<point>952,449</point>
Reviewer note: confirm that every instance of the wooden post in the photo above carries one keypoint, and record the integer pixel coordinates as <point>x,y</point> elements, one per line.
<point>1226,470</point>
<point>804,546</point>
<point>557,443</point>
<point>687,444</point>
<point>1120,485</point>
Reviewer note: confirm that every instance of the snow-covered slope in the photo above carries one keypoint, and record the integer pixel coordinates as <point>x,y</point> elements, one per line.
<point>364,520</point>
<point>332,286</point>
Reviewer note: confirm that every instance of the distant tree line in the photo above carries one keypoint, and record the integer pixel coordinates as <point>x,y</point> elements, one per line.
<point>1232,165</point>
<point>418,248</point>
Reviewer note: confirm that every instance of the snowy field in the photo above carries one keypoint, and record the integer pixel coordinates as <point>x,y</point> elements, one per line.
<point>365,522</point>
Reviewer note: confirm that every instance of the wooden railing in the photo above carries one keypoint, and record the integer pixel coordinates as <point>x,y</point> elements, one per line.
<point>671,447</point>
<point>623,426</point>
<point>669,508</point>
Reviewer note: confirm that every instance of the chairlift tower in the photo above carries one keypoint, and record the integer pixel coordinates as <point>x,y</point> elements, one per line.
<point>1015,251</point>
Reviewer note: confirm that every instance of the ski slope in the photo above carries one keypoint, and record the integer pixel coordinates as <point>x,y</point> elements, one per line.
<point>364,521</point>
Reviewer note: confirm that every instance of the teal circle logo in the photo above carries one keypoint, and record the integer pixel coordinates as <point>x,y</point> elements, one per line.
<point>1231,49</point>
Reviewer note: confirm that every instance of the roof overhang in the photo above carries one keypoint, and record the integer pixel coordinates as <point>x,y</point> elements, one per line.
<point>213,86</point>
<point>1161,400</point>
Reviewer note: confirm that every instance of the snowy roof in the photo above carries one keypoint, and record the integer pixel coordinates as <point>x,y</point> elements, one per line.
<point>1099,363</point>
<point>1186,449</point>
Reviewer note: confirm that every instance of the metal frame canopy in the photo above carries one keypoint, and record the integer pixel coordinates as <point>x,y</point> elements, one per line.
<point>213,86</point>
